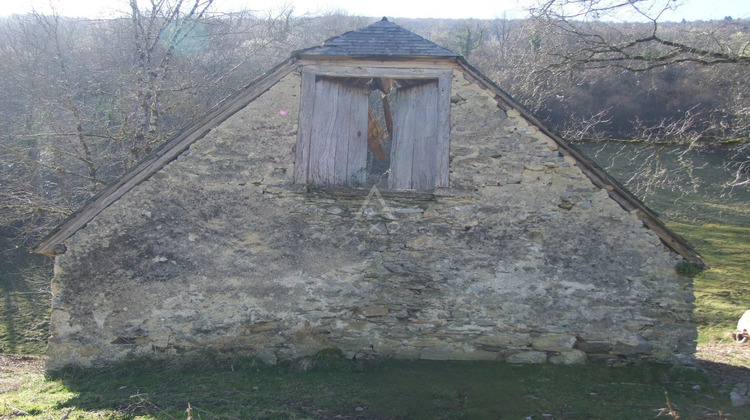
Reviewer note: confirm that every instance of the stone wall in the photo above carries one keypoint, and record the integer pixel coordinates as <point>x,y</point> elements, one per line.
<point>522,259</point>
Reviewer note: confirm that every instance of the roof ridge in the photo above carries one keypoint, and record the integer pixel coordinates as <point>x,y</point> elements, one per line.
<point>381,38</point>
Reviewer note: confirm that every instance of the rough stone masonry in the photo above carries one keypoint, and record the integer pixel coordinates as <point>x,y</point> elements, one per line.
<point>521,260</point>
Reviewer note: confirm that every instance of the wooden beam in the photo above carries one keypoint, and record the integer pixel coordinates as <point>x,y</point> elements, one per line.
<point>304,129</point>
<point>443,153</point>
<point>358,69</point>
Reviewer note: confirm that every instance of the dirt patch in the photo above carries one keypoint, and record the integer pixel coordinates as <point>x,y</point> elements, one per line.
<point>725,363</point>
<point>13,369</point>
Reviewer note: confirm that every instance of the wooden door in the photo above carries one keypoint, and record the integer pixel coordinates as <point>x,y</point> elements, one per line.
<point>414,153</point>
<point>334,140</point>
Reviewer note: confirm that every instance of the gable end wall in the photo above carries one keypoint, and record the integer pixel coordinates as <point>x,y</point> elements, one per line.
<point>522,259</point>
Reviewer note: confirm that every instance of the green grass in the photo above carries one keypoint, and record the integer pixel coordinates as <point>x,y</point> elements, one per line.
<point>337,388</point>
<point>722,293</point>
<point>24,303</point>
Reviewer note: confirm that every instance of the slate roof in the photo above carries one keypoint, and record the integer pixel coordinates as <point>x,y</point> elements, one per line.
<point>382,38</point>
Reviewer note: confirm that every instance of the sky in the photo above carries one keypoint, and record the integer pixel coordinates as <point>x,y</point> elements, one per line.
<point>481,9</point>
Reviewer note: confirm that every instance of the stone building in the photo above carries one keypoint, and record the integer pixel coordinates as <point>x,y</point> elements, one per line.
<point>377,195</point>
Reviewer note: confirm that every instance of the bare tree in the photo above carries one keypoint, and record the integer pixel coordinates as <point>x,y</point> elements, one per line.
<point>596,43</point>
<point>512,55</point>
<point>470,37</point>
<point>45,150</point>
<point>161,30</point>
<point>582,36</point>
<point>91,97</point>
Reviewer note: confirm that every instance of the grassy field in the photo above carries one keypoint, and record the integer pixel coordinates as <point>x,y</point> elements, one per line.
<point>328,386</point>
<point>722,293</point>
<point>24,302</point>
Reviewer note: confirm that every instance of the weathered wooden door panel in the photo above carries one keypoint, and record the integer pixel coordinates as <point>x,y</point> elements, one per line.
<point>337,132</point>
<point>415,138</point>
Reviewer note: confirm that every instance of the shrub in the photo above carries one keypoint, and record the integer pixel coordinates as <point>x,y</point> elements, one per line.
<point>688,269</point>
